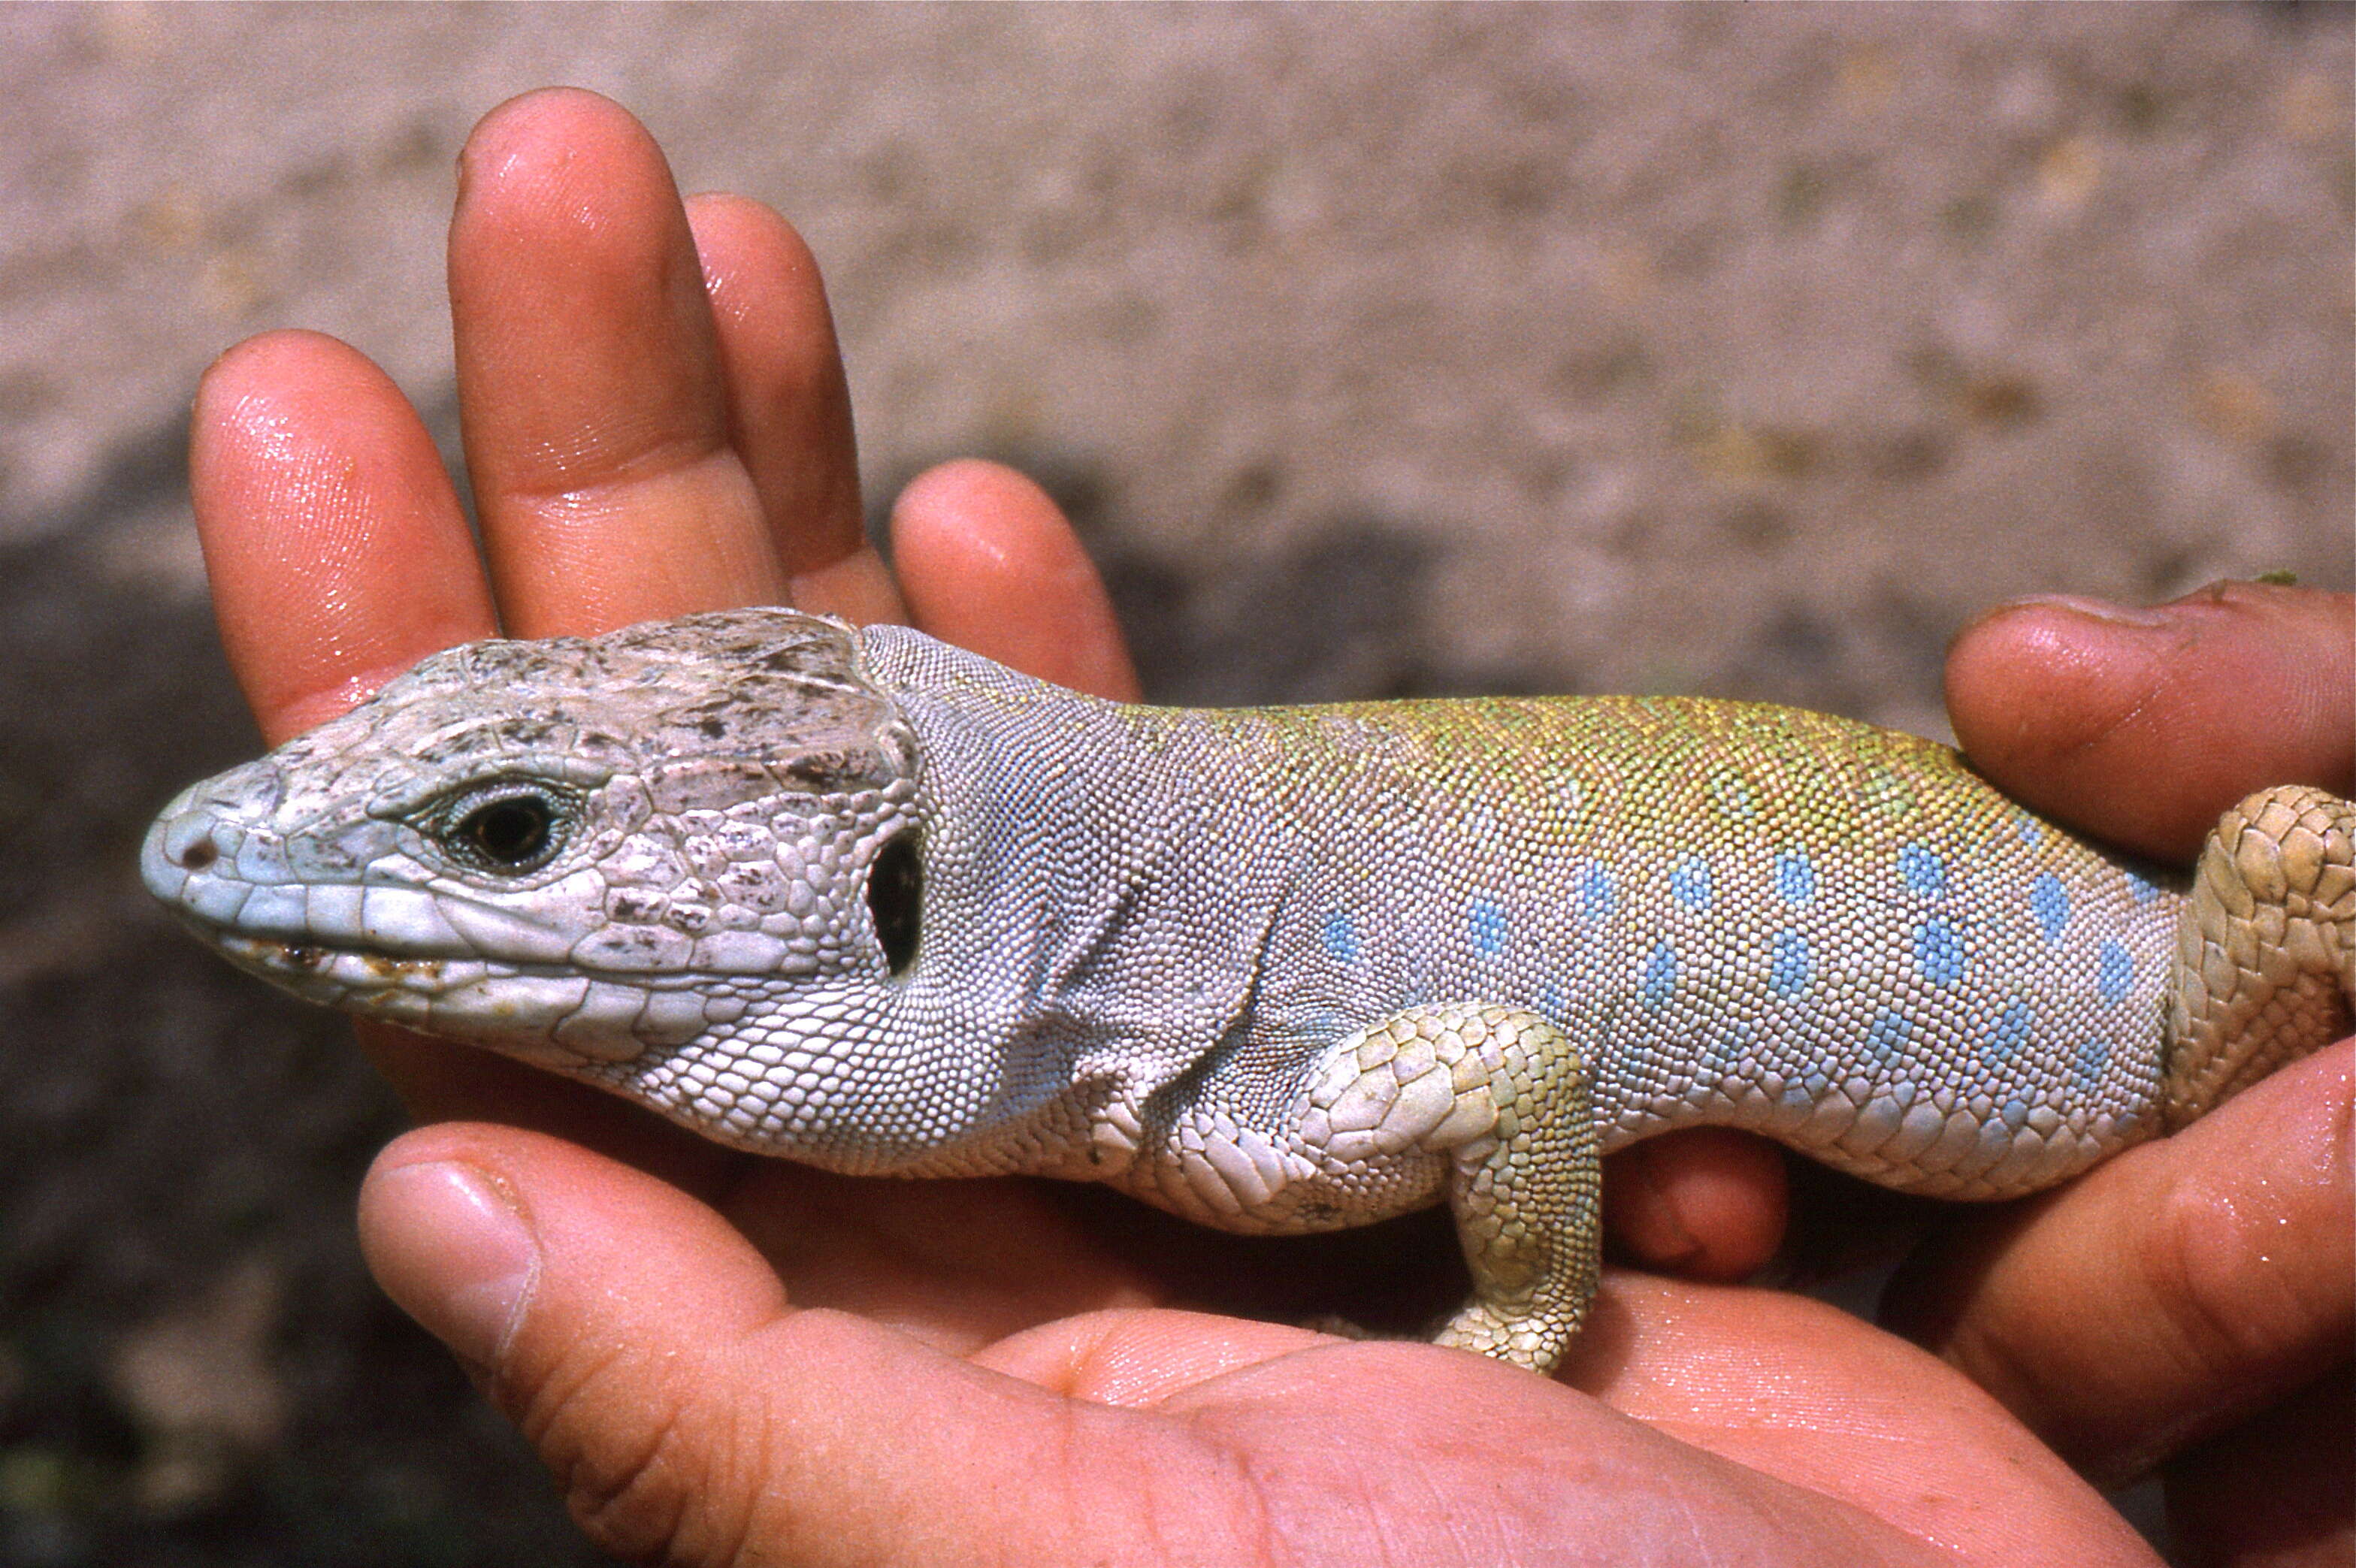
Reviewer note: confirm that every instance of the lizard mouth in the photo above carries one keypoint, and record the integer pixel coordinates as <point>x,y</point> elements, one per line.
<point>341,972</point>
<point>376,984</point>
<point>560,1015</point>
<point>355,972</point>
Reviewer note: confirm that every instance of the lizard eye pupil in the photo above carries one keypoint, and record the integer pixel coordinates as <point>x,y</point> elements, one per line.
<point>512,832</point>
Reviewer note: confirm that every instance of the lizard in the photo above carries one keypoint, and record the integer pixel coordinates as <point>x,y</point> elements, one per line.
<point>864,899</point>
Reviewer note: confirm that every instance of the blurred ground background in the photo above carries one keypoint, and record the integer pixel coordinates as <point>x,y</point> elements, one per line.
<point>1737,350</point>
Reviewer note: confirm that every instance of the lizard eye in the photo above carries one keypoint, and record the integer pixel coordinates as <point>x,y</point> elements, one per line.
<point>505,828</point>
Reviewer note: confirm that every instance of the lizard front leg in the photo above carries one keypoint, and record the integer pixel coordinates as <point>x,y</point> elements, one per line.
<point>1504,1096</point>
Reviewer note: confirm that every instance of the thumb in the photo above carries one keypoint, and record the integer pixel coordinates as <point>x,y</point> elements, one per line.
<point>689,1412</point>
<point>2142,725</point>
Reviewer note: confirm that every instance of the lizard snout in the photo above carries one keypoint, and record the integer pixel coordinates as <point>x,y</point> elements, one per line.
<point>187,839</point>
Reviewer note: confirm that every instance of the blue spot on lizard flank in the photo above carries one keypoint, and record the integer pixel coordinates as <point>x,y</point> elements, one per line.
<point>2050,904</point>
<point>2140,889</point>
<point>1922,870</point>
<point>1340,938</point>
<point>2027,829</point>
<point>1595,898</point>
<point>1689,883</point>
<point>1660,976</point>
<point>2092,1057</point>
<point>1889,1034</point>
<point>2005,1037</point>
<point>1796,878</point>
<point>2114,974</point>
<point>1789,974</point>
<point>1940,952</point>
<point>1487,920</point>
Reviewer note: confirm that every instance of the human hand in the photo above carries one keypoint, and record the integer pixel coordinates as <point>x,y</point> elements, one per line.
<point>741,1358</point>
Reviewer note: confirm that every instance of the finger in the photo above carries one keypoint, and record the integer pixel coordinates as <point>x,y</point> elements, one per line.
<point>788,407</point>
<point>693,1414</point>
<point>340,557</point>
<point>337,548</point>
<point>589,378</point>
<point>2143,725</point>
<point>989,563</point>
<point>2172,1291</point>
<point>1706,1203</point>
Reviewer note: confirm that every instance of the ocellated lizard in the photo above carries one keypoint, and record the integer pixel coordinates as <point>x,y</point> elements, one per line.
<point>864,899</point>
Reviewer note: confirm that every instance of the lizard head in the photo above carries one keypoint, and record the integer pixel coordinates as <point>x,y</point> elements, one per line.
<point>571,851</point>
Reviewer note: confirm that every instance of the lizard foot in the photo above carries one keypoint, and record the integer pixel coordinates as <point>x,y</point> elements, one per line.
<point>1504,1096</point>
<point>2266,952</point>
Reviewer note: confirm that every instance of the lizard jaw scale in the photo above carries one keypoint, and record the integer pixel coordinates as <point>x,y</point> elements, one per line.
<point>555,1014</point>
<point>319,972</point>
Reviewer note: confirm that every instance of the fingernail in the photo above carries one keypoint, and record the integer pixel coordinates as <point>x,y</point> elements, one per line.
<point>2091,609</point>
<point>450,1248</point>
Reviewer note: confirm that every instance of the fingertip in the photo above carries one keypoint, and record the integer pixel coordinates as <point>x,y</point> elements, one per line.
<point>988,561</point>
<point>248,399</point>
<point>606,1313</point>
<point>241,360</point>
<point>982,515</point>
<point>547,166</point>
<point>727,224</point>
<point>508,1244</point>
<point>648,1351</point>
<point>566,198</point>
<point>2142,724</point>
<point>2170,1291</point>
<point>593,400</point>
<point>1706,1203</point>
<point>2064,639</point>
<point>336,549</point>
<point>530,127</point>
<point>449,1243</point>
<point>2034,682</point>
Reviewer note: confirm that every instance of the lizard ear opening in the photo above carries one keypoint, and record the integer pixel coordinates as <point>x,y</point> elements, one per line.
<point>896,898</point>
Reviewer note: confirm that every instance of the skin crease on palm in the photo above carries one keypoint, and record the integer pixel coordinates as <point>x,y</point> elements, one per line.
<point>727,1360</point>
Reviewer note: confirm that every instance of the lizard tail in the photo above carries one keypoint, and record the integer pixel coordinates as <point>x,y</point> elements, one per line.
<point>2266,949</point>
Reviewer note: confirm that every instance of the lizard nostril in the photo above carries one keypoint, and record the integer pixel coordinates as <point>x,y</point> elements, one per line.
<point>197,853</point>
